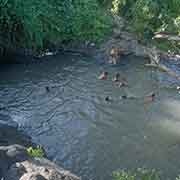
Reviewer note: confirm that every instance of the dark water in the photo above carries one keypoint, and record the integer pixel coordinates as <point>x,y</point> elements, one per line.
<point>80,130</point>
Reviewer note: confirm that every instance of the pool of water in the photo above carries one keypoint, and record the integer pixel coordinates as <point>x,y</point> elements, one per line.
<point>80,130</point>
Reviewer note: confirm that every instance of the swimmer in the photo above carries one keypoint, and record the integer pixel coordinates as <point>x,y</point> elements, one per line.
<point>103,76</point>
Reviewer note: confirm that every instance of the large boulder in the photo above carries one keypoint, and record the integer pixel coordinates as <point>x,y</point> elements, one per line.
<point>9,133</point>
<point>122,38</point>
<point>38,169</point>
<point>15,164</point>
<point>10,155</point>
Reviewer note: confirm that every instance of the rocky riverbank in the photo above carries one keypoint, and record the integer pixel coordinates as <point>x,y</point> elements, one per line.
<point>120,38</point>
<point>15,162</point>
<point>9,133</point>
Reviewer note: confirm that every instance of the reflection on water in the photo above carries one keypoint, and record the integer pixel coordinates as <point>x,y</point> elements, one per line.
<point>80,130</point>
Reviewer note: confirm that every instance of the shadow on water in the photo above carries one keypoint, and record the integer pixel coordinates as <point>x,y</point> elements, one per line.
<point>79,129</point>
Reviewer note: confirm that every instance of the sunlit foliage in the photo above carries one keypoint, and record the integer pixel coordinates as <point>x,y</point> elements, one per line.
<point>149,16</point>
<point>38,23</point>
<point>139,174</point>
<point>35,152</point>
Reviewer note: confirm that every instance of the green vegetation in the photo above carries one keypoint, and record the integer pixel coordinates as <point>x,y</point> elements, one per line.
<point>139,174</point>
<point>146,17</point>
<point>37,24</point>
<point>35,152</point>
<point>123,176</point>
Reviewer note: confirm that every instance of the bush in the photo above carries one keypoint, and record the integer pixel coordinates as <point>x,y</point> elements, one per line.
<point>36,23</point>
<point>35,152</point>
<point>123,176</point>
<point>150,16</point>
<point>139,174</point>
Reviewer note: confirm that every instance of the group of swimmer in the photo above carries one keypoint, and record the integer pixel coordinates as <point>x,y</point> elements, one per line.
<point>122,82</point>
<point>115,55</point>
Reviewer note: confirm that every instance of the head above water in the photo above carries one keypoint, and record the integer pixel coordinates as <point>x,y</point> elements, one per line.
<point>107,98</point>
<point>124,97</point>
<point>47,88</point>
<point>153,95</point>
<point>103,75</point>
<point>117,75</point>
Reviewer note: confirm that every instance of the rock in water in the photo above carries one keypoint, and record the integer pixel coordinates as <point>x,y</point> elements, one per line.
<point>9,133</point>
<point>15,164</point>
<point>10,155</point>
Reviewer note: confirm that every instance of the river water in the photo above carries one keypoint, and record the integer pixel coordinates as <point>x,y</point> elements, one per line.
<point>80,130</point>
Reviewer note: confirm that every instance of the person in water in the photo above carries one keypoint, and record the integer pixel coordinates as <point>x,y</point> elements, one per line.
<point>116,77</point>
<point>114,55</point>
<point>149,98</point>
<point>146,99</point>
<point>108,99</point>
<point>47,89</point>
<point>123,84</point>
<point>103,76</point>
<point>121,81</point>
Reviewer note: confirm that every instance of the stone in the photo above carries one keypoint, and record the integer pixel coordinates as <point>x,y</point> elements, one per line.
<point>10,155</point>
<point>122,39</point>
<point>17,170</point>
<point>38,169</point>
<point>10,135</point>
<point>16,153</point>
<point>32,176</point>
<point>119,22</point>
<point>15,164</point>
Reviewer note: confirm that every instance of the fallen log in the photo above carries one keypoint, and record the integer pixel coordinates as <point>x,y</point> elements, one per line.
<point>164,35</point>
<point>163,68</point>
<point>154,56</point>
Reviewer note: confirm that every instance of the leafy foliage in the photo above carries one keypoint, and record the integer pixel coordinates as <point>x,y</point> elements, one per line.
<point>140,174</point>
<point>35,152</point>
<point>149,16</point>
<point>37,23</point>
<point>123,176</point>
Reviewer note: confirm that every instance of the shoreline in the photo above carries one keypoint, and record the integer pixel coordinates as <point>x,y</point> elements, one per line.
<point>16,163</point>
<point>120,38</point>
